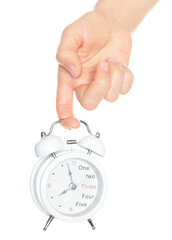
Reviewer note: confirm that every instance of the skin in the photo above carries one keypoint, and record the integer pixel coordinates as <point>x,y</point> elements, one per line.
<point>93,56</point>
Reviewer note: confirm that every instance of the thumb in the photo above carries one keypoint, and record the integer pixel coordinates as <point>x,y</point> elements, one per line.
<point>67,53</point>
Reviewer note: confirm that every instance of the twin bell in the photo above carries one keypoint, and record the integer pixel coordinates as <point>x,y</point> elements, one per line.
<point>50,144</point>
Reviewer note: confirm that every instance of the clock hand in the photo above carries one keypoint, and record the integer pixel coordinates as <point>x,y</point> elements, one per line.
<point>70,173</point>
<point>67,196</point>
<point>65,191</point>
<point>78,185</point>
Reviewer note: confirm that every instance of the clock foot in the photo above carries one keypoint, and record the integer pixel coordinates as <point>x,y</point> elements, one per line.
<point>50,219</point>
<point>91,223</point>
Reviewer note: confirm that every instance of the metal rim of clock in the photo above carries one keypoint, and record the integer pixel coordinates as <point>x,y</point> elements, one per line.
<point>60,120</point>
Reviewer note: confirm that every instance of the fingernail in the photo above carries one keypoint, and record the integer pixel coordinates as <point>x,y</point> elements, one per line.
<point>69,128</point>
<point>123,65</point>
<point>113,60</point>
<point>72,69</point>
<point>104,66</point>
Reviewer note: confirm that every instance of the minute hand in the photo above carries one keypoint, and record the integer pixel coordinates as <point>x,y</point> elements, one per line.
<point>70,173</point>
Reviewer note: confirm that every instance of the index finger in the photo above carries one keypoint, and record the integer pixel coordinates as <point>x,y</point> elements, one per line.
<point>64,100</point>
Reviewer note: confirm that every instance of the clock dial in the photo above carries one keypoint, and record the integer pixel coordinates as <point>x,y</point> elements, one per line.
<point>72,186</point>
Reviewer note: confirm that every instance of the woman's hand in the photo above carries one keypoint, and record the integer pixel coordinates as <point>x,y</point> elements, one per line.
<point>93,54</point>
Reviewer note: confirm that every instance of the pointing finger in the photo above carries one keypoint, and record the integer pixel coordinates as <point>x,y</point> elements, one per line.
<point>64,101</point>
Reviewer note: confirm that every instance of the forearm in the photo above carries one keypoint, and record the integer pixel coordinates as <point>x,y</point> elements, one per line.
<point>128,12</point>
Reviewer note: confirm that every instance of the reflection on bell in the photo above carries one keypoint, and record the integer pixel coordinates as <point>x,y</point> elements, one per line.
<point>92,143</point>
<point>48,145</point>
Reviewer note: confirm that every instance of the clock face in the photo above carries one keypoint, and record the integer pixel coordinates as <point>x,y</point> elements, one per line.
<point>74,187</point>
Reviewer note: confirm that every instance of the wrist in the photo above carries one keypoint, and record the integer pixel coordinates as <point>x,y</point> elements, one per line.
<point>127,13</point>
<point>109,8</point>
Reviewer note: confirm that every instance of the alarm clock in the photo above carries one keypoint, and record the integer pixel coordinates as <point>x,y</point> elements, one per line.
<point>68,182</point>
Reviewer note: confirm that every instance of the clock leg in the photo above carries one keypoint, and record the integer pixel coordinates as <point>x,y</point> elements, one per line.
<point>50,219</point>
<point>91,223</point>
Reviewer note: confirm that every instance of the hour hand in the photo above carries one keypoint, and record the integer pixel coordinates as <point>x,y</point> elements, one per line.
<point>65,191</point>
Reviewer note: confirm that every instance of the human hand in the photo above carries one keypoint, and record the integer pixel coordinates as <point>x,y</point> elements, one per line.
<point>93,54</point>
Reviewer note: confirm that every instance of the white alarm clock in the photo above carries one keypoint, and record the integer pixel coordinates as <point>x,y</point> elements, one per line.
<point>68,183</point>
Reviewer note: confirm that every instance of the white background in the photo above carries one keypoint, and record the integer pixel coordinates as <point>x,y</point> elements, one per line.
<point>137,129</point>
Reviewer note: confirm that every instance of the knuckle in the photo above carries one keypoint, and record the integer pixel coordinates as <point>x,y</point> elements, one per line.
<point>118,70</point>
<point>60,50</point>
<point>116,66</point>
<point>125,91</point>
<point>102,82</point>
<point>129,78</point>
<point>66,31</point>
<point>111,98</point>
<point>88,105</point>
<point>129,75</point>
<point>59,55</point>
